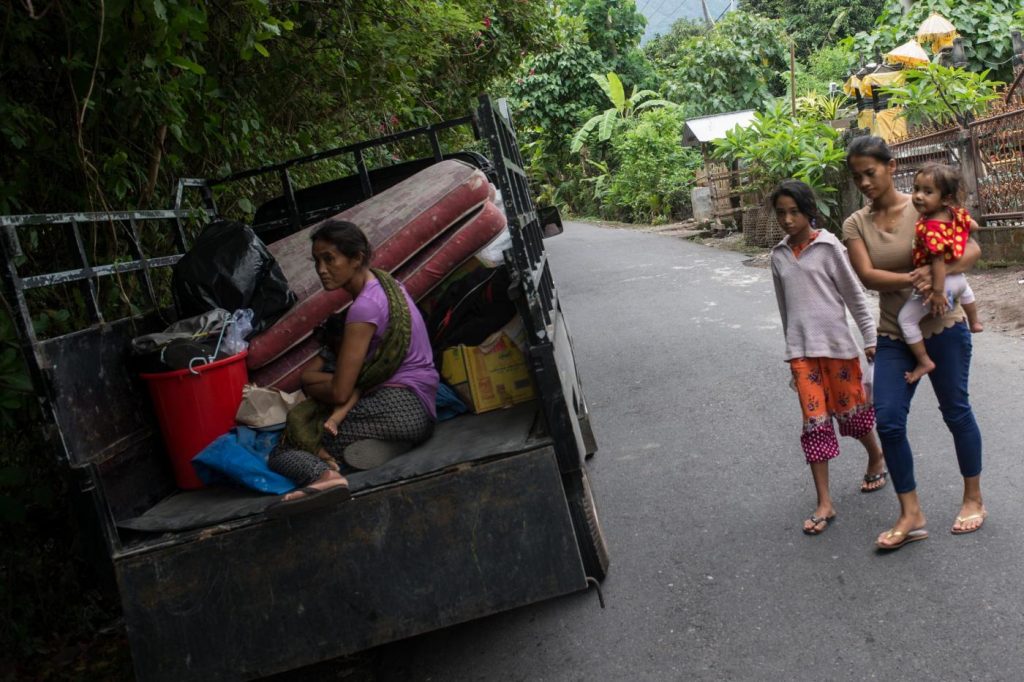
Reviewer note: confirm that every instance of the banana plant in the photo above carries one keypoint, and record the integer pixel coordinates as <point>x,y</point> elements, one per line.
<point>623,107</point>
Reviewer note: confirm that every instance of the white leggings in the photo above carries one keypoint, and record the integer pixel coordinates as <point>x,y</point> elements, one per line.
<point>917,308</point>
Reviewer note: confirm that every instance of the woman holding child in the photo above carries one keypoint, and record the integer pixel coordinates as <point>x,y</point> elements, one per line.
<point>880,240</point>
<point>372,393</point>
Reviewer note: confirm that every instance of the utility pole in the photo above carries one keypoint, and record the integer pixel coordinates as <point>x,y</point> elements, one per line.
<point>707,14</point>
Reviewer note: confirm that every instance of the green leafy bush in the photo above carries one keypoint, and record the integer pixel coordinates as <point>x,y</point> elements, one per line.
<point>937,94</point>
<point>777,146</point>
<point>652,181</point>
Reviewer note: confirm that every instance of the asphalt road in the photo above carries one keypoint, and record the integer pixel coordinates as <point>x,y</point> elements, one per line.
<point>701,489</point>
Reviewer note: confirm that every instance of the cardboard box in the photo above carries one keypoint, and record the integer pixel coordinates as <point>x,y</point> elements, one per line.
<point>492,375</point>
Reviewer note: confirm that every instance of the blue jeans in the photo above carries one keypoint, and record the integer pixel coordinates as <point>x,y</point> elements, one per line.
<point>951,351</point>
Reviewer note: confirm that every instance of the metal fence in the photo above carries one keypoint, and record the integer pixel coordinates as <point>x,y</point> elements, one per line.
<point>990,154</point>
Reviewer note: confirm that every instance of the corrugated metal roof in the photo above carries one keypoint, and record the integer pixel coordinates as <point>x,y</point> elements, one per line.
<point>707,128</point>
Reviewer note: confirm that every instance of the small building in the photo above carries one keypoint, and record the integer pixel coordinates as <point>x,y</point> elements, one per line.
<point>721,182</point>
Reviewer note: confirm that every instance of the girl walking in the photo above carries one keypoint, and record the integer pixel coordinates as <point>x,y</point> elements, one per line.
<point>940,236</point>
<point>815,286</point>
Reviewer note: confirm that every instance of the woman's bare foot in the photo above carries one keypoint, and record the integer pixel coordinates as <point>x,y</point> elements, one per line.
<point>971,517</point>
<point>329,479</point>
<point>919,371</point>
<point>894,537</point>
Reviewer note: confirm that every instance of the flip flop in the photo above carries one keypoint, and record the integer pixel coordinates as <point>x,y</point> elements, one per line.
<point>905,538</point>
<point>815,520</point>
<point>962,519</point>
<point>871,478</point>
<point>312,498</point>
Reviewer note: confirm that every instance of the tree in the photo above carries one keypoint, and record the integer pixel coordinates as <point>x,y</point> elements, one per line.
<point>734,66</point>
<point>152,89</point>
<point>613,29</point>
<point>814,23</point>
<point>556,93</point>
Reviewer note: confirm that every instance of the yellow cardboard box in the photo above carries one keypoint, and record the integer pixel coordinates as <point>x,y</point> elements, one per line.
<point>493,374</point>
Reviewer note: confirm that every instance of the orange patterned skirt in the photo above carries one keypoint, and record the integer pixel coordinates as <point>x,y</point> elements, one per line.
<point>828,387</point>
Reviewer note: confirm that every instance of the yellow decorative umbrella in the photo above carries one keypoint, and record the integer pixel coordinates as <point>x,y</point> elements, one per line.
<point>909,53</point>
<point>937,30</point>
<point>851,85</point>
<point>881,78</point>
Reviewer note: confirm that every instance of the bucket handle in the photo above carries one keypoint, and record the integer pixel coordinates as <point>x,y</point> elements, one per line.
<point>204,359</point>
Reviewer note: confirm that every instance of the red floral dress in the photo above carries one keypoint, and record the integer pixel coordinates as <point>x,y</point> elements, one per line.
<point>945,237</point>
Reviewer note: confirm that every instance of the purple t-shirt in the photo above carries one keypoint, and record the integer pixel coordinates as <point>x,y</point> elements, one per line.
<point>417,371</point>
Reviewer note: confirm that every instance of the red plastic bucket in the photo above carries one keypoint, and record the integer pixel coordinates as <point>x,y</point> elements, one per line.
<point>194,407</point>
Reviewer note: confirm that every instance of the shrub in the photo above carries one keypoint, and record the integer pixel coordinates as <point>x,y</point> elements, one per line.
<point>655,173</point>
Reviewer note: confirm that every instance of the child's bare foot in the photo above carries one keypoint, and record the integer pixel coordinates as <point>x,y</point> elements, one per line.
<point>331,463</point>
<point>331,426</point>
<point>977,327</point>
<point>919,371</point>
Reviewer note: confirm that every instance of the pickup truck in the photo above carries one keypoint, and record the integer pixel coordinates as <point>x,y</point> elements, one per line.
<point>494,512</point>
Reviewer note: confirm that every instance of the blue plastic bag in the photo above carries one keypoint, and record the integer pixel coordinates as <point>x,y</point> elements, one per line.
<point>240,456</point>
<point>449,405</point>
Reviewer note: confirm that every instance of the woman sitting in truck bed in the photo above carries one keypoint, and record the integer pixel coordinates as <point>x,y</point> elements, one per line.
<point>384,359</point>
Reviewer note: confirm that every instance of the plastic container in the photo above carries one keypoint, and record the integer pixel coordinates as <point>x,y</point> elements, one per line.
<point>194,407</point>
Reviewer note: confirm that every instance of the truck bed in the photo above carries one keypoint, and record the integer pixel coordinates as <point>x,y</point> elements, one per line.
<point>465,439</point>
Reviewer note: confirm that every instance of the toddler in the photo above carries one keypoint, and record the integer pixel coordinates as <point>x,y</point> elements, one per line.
<point>940,235</point>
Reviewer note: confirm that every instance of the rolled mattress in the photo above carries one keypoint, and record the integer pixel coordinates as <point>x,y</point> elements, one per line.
<point>419,275</point>
<point>398,222</point>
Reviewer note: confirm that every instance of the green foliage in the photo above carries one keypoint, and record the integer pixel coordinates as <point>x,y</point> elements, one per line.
<point>813,24</point>
<point>831,64</point>
<point>984,25</point>
<point>556,93</point>
<point>663,48</point>
<point>613,27</point>
<point>937,94</point>
<point>106,110</point>
<point>735,65</point>
<point>623,107</point>
<point>777,146</point>
<point>815,107</point>
<point>655,173</point>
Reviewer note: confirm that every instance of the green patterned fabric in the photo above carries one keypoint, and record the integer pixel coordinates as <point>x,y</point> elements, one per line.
<point>394,345</point>
<point>304,428</point>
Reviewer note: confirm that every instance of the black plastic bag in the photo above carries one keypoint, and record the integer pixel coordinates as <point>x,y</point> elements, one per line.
<point>229,267</point>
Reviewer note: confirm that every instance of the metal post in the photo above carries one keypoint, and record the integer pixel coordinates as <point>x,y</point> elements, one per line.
<point>967,151</point>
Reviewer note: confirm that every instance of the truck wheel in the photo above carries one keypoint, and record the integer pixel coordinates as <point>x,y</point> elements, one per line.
<point>589,536</point>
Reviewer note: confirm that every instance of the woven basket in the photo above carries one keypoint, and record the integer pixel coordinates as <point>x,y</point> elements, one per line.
<point>760,227</point>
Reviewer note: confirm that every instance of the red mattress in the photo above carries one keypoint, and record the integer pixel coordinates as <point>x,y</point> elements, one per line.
<point>419,276</point>
<point>399,222</point>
